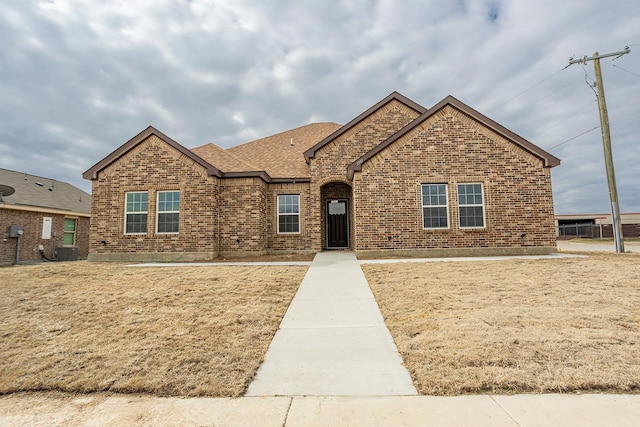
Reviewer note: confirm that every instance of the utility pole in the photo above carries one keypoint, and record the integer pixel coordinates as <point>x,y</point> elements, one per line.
<point>606,142</point>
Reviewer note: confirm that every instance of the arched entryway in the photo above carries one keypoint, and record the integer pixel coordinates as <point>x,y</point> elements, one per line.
<point>337,215</point>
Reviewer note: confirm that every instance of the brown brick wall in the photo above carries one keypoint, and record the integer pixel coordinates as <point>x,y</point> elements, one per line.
<point>451,148</point>
<point>331,162</point>
<point>289,242</point>
<point>238,216</point>
<point>31,223</point>
<point>243,215</point>
<point>154,166</point>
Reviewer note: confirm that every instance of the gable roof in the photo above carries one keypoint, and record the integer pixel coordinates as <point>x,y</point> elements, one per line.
<point>311,152</point>
<point>40,192</point>
<point>277,156</point>
<point>92,172</point>
<point>548,159</point>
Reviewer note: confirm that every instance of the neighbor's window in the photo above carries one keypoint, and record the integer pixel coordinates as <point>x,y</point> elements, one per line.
<point>289,213</point>
<point>471,205</point>
<point>435,213</point>
<point>135,217</point>
<point>168,211</point>
<point>69,234</point>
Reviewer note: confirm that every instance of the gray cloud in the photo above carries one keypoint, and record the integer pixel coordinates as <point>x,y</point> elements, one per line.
<point>78,81</point>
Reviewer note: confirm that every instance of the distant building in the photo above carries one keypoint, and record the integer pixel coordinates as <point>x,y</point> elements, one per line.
<point>42,218</point>
<point>596,225</point>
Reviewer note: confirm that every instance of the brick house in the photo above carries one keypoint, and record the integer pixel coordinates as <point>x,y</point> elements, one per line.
<point>52,215</point>
<point>398,179</point>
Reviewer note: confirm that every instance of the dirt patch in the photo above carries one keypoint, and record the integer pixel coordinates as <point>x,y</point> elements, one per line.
<point>515,326</point>
<point>88,327</point>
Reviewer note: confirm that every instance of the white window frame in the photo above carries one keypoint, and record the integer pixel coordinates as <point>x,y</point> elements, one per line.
<point>472,205</point>
<point>297,196</point>
<point>446,205</point>
<point>126,212</point>
<point>158,212</point>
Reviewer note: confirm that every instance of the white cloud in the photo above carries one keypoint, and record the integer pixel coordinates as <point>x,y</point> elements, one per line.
<point>77,81</point>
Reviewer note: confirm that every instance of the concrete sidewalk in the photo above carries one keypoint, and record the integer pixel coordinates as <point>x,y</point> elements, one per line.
<point>498,411</point>
<point>333,340</point>
<point>596,246</point>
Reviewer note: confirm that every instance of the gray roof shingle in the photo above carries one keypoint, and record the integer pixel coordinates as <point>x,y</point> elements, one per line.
<point>40,192</point>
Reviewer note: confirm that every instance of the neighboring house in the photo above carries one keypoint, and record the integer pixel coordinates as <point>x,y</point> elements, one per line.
<point>596,225</point>
<point>397,179</point>
<point>52,215</point>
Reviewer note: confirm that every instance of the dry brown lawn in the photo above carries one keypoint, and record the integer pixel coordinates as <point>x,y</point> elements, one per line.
<point>563,325</point>
<point>182,331</point>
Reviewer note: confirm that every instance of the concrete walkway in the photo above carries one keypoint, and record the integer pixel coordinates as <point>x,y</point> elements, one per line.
<point>333,340</point>
<point>596,246</point>
<point>526,410</point>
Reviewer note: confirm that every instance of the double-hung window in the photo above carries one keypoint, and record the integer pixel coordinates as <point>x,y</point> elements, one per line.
<point>471,205</point>
<point>288,213</point>
<point>136,209</point>
<point>435,211</point>
<point>168,212</point>
<point>69,233</point>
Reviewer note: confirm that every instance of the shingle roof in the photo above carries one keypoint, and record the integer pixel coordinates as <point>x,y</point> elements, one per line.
<point>40,192</point>
<point>281,155</point>
<point>223,159</point>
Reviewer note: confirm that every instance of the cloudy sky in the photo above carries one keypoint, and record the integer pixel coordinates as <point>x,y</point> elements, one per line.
<point>79,78</point>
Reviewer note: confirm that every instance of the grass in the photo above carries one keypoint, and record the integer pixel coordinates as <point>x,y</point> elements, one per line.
<point>564,325</point>
<point>89,327</point>
<point>560,325</point>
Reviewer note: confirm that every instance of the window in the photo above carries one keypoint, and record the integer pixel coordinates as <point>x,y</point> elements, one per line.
<point>435,213</point>
<point>69,233</point>
<point>471,205</point>
<point>168,211</point>
<point>289,213</point>
<point>135,221</point>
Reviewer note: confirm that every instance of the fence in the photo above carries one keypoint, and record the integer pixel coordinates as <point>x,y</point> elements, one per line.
<point>596,231</point>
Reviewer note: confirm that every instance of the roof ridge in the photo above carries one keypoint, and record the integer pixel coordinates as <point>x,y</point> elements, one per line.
<point>240,159</point>
<point>283,132</point>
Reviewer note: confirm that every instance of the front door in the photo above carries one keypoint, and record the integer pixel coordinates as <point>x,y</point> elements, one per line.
<point>337,223</point>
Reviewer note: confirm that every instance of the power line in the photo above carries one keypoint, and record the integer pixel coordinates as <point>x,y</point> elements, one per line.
<point>525,91</point>
<point>565,119</point>
<point>625,139</point>
<point>606,141</point>
<point>630,72</point>
<point>571,139</point>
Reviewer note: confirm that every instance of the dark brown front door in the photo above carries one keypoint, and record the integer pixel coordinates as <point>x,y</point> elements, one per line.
<point>337,223</point>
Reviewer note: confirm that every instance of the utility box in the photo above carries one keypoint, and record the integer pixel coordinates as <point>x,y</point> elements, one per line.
<point>67,253</point>
<point>14,231</point>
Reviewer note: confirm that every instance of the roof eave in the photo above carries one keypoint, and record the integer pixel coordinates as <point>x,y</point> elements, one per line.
<point>311,152</point>
<point>548,159</point>
<point>92,172</point>
<point>265,177</point>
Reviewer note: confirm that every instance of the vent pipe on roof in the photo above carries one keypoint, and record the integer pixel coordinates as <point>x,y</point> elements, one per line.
<point>291,143</point>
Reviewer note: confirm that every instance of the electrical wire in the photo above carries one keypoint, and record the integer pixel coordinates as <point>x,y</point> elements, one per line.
<point>524,91</point>
<point>571,139</point>
<point>565,119</point>
<point>624,139</point>
<point>630,72</point>
<point>586,77</point>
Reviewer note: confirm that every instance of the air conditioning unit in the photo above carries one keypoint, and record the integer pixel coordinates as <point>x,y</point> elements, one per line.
<point>67,253</point>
